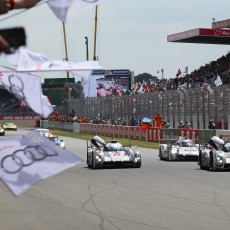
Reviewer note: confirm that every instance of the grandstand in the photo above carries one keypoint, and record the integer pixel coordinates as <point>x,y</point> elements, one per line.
<point>9,105</point>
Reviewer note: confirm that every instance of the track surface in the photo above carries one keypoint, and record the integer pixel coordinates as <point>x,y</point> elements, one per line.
<point>159,195</point>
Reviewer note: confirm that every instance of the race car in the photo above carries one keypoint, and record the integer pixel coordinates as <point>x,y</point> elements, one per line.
<point>43,132</point>
<point>215,155</point>
<point>9,126</point>
<point>2,131</point>
<point>183,148</point>
<point>51,136</point>
<point>113,153</point>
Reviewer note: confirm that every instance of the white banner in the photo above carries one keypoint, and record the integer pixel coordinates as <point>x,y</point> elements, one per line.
<point>31,158</point>
<point>27,88</point>
<point>60,8</point>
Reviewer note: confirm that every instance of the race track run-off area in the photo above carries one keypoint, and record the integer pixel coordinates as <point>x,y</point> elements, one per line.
<point>159,195</point>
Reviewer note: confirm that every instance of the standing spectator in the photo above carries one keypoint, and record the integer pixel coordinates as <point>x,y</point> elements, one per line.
<point>158,120</point>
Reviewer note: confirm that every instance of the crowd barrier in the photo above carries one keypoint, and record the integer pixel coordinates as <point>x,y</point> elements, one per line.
<point>152,134</point>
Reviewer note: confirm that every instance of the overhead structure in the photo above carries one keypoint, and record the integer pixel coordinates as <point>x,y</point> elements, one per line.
<point>218,34</point>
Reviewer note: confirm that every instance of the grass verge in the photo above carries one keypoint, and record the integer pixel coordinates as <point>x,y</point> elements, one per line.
<point>125,142</point>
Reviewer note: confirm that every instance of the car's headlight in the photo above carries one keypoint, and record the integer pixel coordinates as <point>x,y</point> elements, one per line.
<point>219,159</point>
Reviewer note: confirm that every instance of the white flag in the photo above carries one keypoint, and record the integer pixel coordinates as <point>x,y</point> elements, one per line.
<point>186,70</point>
<point>60,8</point>
<point>218,81</point>
<point>27,88</point>
<point>28,61</point>
<point>31,158</point>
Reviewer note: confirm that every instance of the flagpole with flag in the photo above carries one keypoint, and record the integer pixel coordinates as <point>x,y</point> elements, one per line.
<point>178,73</point>
<point>186,70</point>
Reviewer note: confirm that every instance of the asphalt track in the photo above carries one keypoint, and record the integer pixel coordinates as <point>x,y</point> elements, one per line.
<point>159,195</point>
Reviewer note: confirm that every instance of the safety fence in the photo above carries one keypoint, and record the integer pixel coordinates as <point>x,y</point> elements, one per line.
<point>195,105</point>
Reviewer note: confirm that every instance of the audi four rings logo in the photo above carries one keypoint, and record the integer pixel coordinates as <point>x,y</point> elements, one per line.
<point>21,158</point>
<point>17,87</point>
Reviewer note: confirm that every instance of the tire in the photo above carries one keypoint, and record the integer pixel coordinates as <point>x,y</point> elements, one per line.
<point>211,161</point>
<point>87,160</point>
<point>93,161</point>
<point>169,157</point>
<point>160,155</point>
<point>200,160</point>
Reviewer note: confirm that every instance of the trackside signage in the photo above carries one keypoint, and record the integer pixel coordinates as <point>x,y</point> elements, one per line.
<point>20,117</point>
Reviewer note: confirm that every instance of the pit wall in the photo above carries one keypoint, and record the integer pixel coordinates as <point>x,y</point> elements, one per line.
<point>135,133</point>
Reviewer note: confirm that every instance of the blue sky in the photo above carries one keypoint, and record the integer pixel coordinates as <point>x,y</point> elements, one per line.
<point>132,34</point>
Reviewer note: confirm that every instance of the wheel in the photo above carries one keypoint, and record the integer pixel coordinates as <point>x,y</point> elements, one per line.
<point>211,161</point>
<point>160,155</point>
<point>93,161</point>
<point>87,160</point>
<point>200,162</point>
<point>169,156</point>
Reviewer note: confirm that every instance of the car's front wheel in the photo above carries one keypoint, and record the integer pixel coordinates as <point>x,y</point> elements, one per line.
<point>160,154</point>
<point>211,166</point>
<point>200,161</point>
<point>93,161</point>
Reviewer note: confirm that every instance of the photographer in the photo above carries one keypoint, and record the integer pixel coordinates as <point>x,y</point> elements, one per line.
<point>7,5</point>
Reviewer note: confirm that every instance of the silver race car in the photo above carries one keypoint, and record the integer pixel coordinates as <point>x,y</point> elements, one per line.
<point>184,148</point>
<point>214,155</point>
<point>100,153</point>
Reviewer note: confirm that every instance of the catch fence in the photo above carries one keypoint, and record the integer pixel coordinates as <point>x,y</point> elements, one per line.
<point>195,105</point>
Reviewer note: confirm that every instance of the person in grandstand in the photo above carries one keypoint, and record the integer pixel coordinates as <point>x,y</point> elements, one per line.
<point>181,125</point>
<point>166,125</point>
<point>187,125</point>
<point>211,124</point>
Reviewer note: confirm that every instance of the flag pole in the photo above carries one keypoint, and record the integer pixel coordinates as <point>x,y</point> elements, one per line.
<point>95,34</point>
<point>66,58</point>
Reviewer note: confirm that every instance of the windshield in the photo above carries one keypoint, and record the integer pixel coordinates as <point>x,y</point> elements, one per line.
<point>187,144</point>
<point>226,147</point>
<point>114,147</point>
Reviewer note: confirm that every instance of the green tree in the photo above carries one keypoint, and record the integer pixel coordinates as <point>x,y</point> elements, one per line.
<point>144,77</point>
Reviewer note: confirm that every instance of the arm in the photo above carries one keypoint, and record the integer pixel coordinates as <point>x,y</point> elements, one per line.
<point>18,4</point>
<point>6,5</point>
<point>4,45</point>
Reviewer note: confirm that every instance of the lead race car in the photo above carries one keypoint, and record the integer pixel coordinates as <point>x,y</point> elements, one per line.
<point>183,148</point>
<point>215,155</point>
<point>100,153</point>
